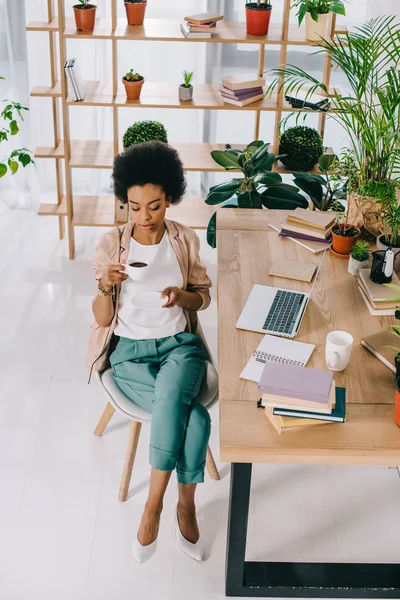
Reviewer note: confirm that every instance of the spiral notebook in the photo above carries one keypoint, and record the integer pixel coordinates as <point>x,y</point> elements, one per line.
<point>276,350</point>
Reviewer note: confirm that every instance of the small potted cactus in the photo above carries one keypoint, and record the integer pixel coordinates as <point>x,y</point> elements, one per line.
<point>359,258</point>
<point>133,84</point>
<point>85,15</point>
<point>186,88</point>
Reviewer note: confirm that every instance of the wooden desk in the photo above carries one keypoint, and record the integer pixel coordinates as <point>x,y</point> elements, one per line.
<point>247,247</point>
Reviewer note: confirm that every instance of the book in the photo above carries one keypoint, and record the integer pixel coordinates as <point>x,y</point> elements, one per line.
<point>242,96</point>
<point>306,230</point>
<point>207,27</point>
<point>292,269</point>
<point>243,102</point>
<point>286,425</point>
<point>377,305</point>
<point>243,81</point>
<point>290,403</point>
<point>307,387</point>
<point>239,93</point>
<point>338,413</point>
<point>378,343</point>
<point>191,35</point>
<point>312,246</point>
<point>385,312</point>
<point>276,350</point>
<point>376,291</point>
<point>205,17</point>
<point>301,236</point>
<point>76,88</point>
<point>313,218</point>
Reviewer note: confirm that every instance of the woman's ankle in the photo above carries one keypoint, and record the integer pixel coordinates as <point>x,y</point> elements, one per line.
<point>153,508</point>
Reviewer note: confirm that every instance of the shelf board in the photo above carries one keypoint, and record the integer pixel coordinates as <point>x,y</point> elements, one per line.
<point>50,151</point>
<point>164,30</point>
<point>42,91</point>
<point>53,210</point>
<point>43,25</point>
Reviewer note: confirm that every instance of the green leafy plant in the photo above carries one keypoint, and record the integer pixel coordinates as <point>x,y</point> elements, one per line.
<point>389,215</point>
<point>144,131</point>
<point>86,4</point>
<point>187,78</point>
<point>132,75</point>
<point>302,147</point>
<point>317,7</point>
<point>257,188</point>
<point>369,57</point>
<point>360,251</point>
<point>325,190</point>
<point>395,329</point>
<point>10,114</point>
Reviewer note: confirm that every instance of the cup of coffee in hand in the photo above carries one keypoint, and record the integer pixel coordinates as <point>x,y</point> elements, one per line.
<point>136,270</point>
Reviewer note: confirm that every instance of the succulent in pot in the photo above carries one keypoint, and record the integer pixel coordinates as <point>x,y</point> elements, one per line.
<point>258,15</point>
<point>135,11</point>
<point>85,15</point>
<point>133,83</point>
<point>359,257</point>
<point>186,88</point>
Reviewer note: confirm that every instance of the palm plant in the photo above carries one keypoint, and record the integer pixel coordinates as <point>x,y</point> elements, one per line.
<point>257,188</point>
<point>370,113</point>
<point>389,214</point>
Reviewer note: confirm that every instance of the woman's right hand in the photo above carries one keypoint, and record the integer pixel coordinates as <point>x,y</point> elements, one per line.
<point>113,275</point>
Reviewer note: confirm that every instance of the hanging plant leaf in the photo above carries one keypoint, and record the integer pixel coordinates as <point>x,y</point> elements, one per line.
<point>3,169</point>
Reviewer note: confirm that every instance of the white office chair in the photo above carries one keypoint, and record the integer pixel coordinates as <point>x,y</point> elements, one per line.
<point>208,396</point>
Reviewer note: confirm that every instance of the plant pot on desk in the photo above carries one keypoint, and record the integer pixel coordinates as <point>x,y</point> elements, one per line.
<point>342,244</point>
<point>257,18</point>
<point>135,12</point>
<point>133,88</point>
<point>85,16</point>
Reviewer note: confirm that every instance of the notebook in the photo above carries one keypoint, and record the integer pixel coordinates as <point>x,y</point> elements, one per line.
<point>292,269</point>
<point>338,413</point>
<point>313,247</point>
<point>276,350</point>
<point>313,218</point>
<point>287,425</point>
<point>321,234</point>
<point>243,102</point>
<point>376,291</point>
<point>292,403</point>
<point>384,312</point>
<point>308,387</point>
<point>378,344</point>
<point>303,236</point>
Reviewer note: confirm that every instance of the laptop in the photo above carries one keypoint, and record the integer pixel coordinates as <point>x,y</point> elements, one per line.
<point>274,310</point>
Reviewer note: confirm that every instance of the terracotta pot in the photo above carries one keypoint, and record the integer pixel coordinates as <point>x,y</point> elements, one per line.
<point>135,12</point>
<point>185,93</point>
<point>85,18</point>
<point>257,18</point>
<point>133,88</point>
<point>341,245</point>
<point>397,413</point>
<point>315,30</point>
<point>382,245</point>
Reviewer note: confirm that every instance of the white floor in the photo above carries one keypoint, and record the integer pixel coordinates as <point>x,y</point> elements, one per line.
<point>63,533</point>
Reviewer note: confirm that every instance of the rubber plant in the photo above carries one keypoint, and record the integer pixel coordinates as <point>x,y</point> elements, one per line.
<point>10,114</point>
<point>258,186</point>
<point>325,189</point>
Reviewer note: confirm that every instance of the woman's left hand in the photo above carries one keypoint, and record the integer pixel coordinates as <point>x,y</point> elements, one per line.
<point>173,294</point>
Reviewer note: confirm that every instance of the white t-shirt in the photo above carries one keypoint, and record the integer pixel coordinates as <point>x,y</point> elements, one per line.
<point>163,271</point>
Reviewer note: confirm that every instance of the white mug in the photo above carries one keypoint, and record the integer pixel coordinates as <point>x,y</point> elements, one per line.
<point>136,273</point>
<point>339,345</point>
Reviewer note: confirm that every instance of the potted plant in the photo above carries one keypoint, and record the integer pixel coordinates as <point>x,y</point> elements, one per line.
<point>133,83</point>
<point>395,329</point>
<point>85,15</point>
<point>258,15</point>
<point>144,131</point>
<point>186,88</point>
<point>326,189</point>
<point>370,111</point>
<point>359,258</point>
<point>135,11</point>
<point>344,236</point>
<point>8,128</point>
<point>389,215</point>
<point>317,15</point>
<point>301,147</point>
<point>258,186</point>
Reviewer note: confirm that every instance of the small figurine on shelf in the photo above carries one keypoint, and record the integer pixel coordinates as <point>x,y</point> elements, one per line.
<point>133,84</point>
<point>85,15</point>
<point>135,11</point>
<point>186,88</point>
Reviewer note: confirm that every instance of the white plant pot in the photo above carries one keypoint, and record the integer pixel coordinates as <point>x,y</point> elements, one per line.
<point>356,265</point>
<point>185,93</point>
<point>315,30</point>
<point>396,252</point>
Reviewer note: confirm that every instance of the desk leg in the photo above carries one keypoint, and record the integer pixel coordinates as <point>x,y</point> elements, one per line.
<point>239,499</point>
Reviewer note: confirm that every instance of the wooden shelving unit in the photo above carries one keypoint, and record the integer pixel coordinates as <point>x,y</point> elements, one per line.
<point>92,154</point>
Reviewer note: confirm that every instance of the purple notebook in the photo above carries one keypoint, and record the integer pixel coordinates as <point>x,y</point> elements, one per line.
<point>239,94</point>
<point>302,383</point>
<point>302,236</point>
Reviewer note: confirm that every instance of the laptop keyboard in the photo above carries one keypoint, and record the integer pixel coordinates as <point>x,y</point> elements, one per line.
<point>284,312</point>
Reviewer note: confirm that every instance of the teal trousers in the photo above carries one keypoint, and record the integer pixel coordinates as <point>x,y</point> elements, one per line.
<point>163,376</point>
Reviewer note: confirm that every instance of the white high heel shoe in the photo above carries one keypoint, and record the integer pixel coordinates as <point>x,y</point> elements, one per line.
<point>195,551</point>
<point>143,553</point>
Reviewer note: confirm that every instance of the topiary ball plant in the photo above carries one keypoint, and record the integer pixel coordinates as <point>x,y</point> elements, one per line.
<point>302,146</point>
<point>144,131</point>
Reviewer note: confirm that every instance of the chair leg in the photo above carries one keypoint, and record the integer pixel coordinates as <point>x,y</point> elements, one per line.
<point>104,419</point>
<point>211,466</point>
<point>133,439</point>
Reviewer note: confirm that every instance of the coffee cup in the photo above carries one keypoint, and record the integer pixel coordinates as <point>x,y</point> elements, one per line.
<point>136,270</point>
<point>339,345</point>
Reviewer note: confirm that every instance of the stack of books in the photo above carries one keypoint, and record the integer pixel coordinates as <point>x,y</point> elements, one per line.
<point>296,397</point>
<point>311,229</point>
<point>202,25</point>
<point>382,345</point>
<point>75,86</point>
<point>242,89</point>
<point>376,296</point>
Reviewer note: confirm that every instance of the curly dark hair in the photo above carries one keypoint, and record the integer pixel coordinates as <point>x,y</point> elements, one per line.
<point>150,162</point>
